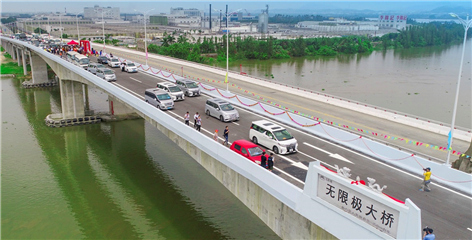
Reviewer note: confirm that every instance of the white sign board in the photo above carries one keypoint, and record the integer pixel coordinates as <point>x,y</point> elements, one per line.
<point>368,210</point>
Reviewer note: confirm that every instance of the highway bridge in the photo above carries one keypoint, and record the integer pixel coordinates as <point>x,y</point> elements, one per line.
<point>445,209</point>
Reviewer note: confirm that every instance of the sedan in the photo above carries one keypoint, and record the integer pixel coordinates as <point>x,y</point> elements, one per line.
<point>248,150</point>
<point>102,60</point>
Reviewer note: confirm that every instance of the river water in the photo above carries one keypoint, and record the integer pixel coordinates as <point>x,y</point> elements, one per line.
<point>122,180</point>
<point>420,81</point>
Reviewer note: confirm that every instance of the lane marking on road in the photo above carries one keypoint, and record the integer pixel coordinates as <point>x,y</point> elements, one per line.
<point>136,80</point>
<point>128,90</point>
<point>333,155</point>
<point>236,123</point>
<point>294,178</point>
<point>470,229</point>
<point>329,165</point>
<point>296,164</point>
<point>346,149</point>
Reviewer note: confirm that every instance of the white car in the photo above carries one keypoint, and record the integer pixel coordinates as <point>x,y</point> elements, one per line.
<point>106,74</point>
<point>130,67</point>
<point>273,136</point>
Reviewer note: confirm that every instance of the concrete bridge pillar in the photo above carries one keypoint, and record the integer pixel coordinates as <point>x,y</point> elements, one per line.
<point>13,52</point>
<point>23,58</point>
<point>72,99</point>
<point>18,56</point>
<point>39,71</point>
<point>117,108</point>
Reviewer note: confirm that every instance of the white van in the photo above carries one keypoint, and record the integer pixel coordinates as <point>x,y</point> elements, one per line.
<point>159,98</point>
<point>70,56</point>
<point>221,109</point>
<point>174,91</point>
<point>82,61</point>
<point>113,62</point>
<point>272,136</point>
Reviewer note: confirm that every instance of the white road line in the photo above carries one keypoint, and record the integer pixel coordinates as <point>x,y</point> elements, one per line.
<point>129,90</point>
<point>236,123</point>
<point>359,154</point>
<point>136,80</point>
<point>316,159</point>
<point>294,178</point>
<point>470,229</point>
<point>317,148</point>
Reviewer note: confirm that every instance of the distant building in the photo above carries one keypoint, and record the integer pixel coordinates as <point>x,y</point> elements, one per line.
<point>392,21</point>
<point>176,20</point>
<point>263,24</point>
<point>191,12</point>
<point>337,25</point>
<point>96,12</point>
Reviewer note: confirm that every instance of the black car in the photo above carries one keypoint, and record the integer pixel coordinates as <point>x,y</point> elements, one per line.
<point>102,60</point>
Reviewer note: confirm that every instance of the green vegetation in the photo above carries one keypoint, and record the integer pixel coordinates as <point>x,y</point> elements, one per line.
<point>424,35</point>
<point>251,48</point>
<point>12,68</point>
<point>109,42</point>
<point>2,49</point>
<point>65,35</point>
<point>8,20</point>
<point>211,49</point>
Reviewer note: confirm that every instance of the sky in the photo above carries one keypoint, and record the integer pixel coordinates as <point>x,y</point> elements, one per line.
<point>127,6</point>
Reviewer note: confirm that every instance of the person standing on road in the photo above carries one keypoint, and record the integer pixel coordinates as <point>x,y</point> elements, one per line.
<point>270,162</point>
<point>428,234</point>
<point>215,135</point>
<point>187,118</point>
<point>427,180</point>
<point>226,135</point>
<point>195,117</point>
<point>263,159</point>
<point>199,123</point>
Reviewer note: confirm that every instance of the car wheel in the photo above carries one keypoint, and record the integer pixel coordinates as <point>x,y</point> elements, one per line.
<point>276,149</point>
<point>221,118</point>
<point>254,140</point>
<point>208,112</point>
<point>147,101</point>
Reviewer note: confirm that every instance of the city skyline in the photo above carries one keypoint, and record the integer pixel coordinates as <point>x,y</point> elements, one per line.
<point>304,7</point>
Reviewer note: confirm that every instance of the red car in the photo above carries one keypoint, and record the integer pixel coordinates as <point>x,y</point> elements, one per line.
<point>248,149</point>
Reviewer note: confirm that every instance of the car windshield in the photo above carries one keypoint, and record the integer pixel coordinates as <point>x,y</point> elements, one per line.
<point>103,58</point>
<point>255,151</point>
<point>282,135</point>
<point>114,60</point>
<point>226,107</point>
<point>131,65</point>
<point>84,61</point>
<point>174,89</point>
<point>107,71</point>
<point>163,96</point>
<point>192,85</point>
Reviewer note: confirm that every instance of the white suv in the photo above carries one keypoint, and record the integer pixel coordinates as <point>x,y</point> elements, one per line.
<point>174,91</point>
<point>272,136</point>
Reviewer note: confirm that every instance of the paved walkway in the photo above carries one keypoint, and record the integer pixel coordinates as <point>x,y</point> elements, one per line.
<point>277,93</point>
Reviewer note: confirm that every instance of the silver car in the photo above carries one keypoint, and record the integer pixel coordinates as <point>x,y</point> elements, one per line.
<point>221,109</point>
<point>159,98</point>
<point>92,67</point>
<point>106,74</point>
<point>189,87</point>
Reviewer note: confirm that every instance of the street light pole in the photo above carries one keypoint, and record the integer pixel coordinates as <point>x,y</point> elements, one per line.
<point>227,53</point>
<point>60,20</point>
<point>466,24</point>
<point>77,20</point>
<point>145,33</point>
<point>49,32</point>
<point>103,27</point>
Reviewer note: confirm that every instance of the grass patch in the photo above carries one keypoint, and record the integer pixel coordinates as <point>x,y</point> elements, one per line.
<point>7,55</point>
<point>12,68</point>
<point>2,49</point>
